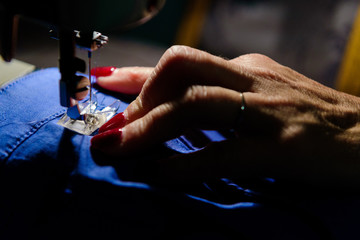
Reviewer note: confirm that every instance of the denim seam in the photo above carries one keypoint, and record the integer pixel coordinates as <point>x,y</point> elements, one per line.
<point>182,139</point>
<point>32,131</point>
<point>34,128</point>
<point>18,80</point>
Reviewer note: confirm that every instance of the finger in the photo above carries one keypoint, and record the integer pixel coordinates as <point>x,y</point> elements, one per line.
<point>118,121</point>
<point>202,107</point>
<point>128,80</point>
<point>181,67</point>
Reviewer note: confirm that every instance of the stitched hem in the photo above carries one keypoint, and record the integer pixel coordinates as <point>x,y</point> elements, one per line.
<point>5,87</point>
<point>29,133</point>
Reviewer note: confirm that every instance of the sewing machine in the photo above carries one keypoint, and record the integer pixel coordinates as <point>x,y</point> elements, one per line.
<point>74,23</point>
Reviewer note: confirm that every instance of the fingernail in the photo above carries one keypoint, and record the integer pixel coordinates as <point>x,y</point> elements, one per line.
<point>116,122</point>
<point>102,71</point>
<point>107,139</point>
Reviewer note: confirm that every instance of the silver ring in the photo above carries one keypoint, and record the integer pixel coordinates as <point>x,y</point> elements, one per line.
<point>239,121</point>
<point>240,116</point>
<point>243,104</point>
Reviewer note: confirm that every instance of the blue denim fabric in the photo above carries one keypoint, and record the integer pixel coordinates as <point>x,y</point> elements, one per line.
<point>53,187</point>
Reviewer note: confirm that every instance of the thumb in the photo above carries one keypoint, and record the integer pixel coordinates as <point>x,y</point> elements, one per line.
<point>128,80</point>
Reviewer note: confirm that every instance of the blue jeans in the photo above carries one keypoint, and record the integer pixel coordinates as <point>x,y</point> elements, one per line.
<point>52,186</point>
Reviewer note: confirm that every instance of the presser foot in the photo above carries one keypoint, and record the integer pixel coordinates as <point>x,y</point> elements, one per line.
<point>87,117</point>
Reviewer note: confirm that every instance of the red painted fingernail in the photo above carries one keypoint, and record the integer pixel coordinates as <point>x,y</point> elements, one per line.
<point>107,139</point>
<point>117,121</point>
<point>102,71</point>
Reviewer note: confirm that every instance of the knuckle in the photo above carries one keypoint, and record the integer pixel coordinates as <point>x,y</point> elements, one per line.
<point>175,60</point>
<point>141,126</point>
<point>146,99</point>
<point>176,54</point>
<point>259,57</point>
<point>256,59</point>
<point>196,94</point>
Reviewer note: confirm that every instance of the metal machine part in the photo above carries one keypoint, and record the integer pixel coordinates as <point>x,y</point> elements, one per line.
<point>75,22</point>
<point>84,16</point>
<point>89,41</point>
<point>86,117</point>
<point>69,64</point>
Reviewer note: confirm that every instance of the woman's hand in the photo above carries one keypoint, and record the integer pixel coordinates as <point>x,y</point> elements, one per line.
<point>292,127</point>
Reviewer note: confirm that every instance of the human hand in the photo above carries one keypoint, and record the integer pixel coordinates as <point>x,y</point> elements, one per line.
<point>128,80</point>
<point>293,128</point>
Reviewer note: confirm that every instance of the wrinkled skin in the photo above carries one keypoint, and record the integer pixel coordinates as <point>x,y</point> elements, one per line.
<point>293,128</point>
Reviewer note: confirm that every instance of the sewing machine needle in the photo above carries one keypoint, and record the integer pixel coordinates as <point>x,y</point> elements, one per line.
<point>89,57</point>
